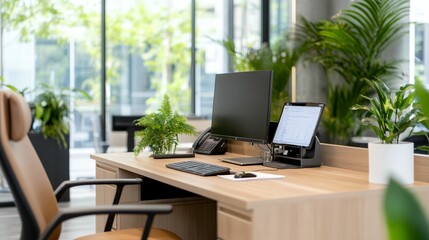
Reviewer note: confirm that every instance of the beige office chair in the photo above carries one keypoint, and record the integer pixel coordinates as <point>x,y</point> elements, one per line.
<point>34,197</point>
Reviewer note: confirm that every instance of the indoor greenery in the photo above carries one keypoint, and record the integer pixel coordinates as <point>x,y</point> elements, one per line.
<point>280,57</point>
<point>51,111</point>
<point>405,218</point>
<point>390,113</point>
<point>350,47</point>
<point>161,130</point>
<point>422,99</point>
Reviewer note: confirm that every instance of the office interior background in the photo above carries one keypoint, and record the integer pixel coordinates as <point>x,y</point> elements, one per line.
<point>158,47</point>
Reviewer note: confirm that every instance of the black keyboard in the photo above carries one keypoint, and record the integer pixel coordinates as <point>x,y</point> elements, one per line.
<point>199,168</point>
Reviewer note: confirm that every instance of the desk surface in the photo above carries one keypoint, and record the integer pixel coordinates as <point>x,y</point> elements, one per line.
<point>310,203</point>
<point>297,184</point>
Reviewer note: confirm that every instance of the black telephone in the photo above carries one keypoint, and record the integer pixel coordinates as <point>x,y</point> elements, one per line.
<point>211,146</point>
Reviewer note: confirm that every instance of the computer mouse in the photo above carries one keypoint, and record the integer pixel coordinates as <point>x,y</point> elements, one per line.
<point>244,175</point>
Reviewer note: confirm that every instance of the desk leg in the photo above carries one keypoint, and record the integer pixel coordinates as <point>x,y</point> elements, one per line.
<point>130,140</point>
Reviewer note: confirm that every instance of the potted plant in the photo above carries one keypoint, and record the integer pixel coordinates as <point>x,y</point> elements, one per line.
<point>390,114</point>
<point>161,130</point>
<point>408,221</point>
<point>50,131</point>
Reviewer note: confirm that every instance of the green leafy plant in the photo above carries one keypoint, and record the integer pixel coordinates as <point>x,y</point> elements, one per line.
<point>390,113</point>
<point>51,109</point>
<point>405,218</point>
<point>422,99</point>
<point>280,57</point>
<point>350,47</point>
<point>161,130</point>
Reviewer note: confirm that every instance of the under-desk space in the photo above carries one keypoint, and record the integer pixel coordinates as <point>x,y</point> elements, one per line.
<point>310,203</point>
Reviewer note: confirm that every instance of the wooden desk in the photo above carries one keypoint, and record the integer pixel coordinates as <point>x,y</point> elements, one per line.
<point>311,203</point>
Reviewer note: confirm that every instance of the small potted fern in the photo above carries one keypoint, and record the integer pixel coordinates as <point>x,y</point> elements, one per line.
<point>161,130</point>
<point>390,114</point>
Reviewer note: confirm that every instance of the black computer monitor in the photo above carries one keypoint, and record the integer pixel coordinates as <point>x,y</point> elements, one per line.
<point>298,124</point>
<point>242,106</point>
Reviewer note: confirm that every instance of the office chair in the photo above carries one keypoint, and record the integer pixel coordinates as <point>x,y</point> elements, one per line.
<point>34,197</point>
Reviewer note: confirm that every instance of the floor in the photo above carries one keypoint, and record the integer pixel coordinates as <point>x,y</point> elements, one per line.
<point>81,166</point>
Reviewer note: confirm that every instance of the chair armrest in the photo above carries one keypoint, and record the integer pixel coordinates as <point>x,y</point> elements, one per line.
<point>150,210</point>
<point>120,183</point>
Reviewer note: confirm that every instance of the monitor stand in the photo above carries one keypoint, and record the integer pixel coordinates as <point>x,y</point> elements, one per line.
<point>243,161</point>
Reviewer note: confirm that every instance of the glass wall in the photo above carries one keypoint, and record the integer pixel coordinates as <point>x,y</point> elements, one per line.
<point>280,19</point>
<point>420,37</point>
<point>148,53</point>
<point>153,51</point>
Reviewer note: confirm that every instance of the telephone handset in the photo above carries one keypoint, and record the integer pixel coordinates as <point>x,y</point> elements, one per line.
<point>211,146</point>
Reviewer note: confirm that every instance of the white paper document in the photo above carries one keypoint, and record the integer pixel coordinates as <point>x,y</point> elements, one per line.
<point>259,176</point>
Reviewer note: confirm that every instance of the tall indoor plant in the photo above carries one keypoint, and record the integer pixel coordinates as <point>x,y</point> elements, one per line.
<point>279,57</point>
<point>351,48</point>
<point>161,130</point>
<point>390,114</point>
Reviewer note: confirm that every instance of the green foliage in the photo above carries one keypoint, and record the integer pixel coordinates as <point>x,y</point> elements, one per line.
<point>280,58</point>
<point>404,216</point>
<point>40,17</point>
<point>422,99</point>
<point>390,113</point>
<point>52,110</point>
<point>159,33</point>
<point>161,130</point>
<point>352,45</point>
<point>337,117</point>
<point>12,87</point>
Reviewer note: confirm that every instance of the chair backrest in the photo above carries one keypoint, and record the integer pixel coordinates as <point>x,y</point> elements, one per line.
<point>27,179</point>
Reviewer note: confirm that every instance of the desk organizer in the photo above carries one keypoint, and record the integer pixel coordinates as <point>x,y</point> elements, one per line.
<point>286,156</point>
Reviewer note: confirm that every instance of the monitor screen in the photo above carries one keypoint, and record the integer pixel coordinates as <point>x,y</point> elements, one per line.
<point>298,124</point>
<point>242,106</point>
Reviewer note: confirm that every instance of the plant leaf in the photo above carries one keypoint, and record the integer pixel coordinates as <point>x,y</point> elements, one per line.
<point>405,217</point>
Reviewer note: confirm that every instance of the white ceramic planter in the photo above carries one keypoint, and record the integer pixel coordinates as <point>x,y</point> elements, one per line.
<point>396,160</point>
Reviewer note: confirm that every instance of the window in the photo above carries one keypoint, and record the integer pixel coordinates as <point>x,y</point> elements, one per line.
<point>148,53</point>
<point>419,34</point>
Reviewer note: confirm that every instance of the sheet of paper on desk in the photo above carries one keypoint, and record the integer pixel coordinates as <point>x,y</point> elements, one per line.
<point>259,176</point>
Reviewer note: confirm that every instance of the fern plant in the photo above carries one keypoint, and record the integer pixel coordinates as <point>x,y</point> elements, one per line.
<point>390,114</point>
<point>161,130</point>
